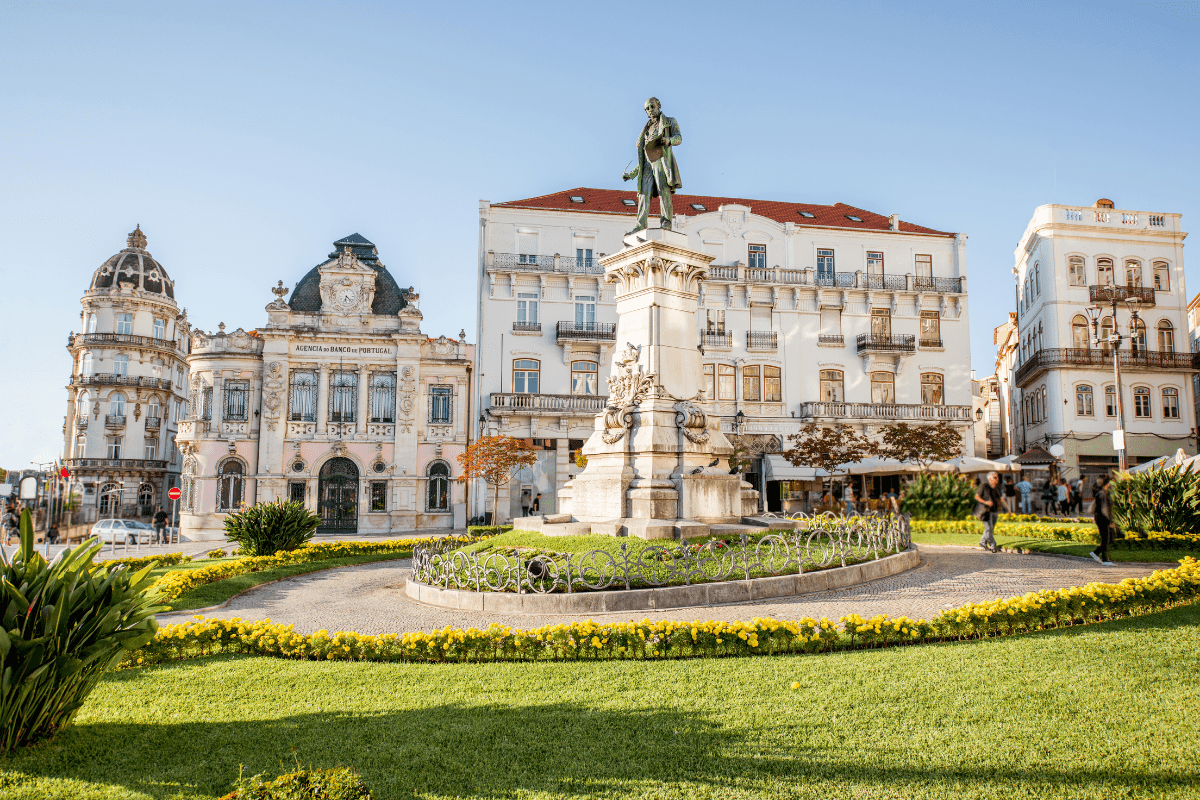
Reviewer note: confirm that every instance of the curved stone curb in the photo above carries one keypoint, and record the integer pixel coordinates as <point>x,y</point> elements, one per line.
<point>1026,551</point>
<point>701,594</point>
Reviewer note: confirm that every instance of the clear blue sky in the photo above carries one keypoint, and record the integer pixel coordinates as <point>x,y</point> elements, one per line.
<point>246,137</point>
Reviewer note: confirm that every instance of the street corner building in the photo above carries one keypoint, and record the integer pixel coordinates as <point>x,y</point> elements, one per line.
<point>339,402</point>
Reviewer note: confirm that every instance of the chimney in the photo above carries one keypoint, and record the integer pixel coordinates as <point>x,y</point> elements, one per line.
<point>894,222</point>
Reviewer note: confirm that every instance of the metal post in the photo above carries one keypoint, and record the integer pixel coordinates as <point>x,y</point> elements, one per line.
<point>174,524</point>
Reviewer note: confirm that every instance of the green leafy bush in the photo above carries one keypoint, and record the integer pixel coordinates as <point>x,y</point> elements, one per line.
<point>266,528</point>
<point>487,530</point>
<point>62,624</point>
<point>341,783</point>
<point>1166,500</point>
<point>945,496</point>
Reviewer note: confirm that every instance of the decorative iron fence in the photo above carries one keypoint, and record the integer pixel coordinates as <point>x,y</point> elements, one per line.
<point>824,541</point>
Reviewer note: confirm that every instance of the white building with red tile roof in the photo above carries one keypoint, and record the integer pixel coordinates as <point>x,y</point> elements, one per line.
<point>811,313</point>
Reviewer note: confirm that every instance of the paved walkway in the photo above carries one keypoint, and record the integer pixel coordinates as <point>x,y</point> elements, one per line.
<point>370,598</point>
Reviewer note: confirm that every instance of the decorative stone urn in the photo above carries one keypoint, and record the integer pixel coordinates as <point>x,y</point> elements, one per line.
<point>657,463</point>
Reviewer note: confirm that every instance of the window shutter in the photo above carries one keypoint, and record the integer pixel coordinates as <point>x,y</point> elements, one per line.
<point>760,318</point>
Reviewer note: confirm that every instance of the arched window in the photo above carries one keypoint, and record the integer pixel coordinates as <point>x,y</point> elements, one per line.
<point>1170,398</point>
<point>1106,331</point>
<point>1110,401</point>
<point>1138,335</point>
<point>188,485</point>
<point>1043,409</point>
<point>1037,279</point>
<point>1133,272</point>
<point>584,377</point>
<point>1141,402</point>
<point>1166,336</point>
<point>1039,337</point>
<point>303,406</point>
<point>1079,332</point>
<point>81,403</point>
<point>85,364</point>
<point>110,499</point>
<point>883,387</point>
<point>116,404</point>
<point>526,376</point>
<point>833,387</point>
<point>439,487</point>
<point>1076,271</point>
<point>146,499</point>
<point>231,486</point>
<point>383,397</point>
<point>931,389</point>
<point>1084,406</point>
<point>121,366</point>
<point>1104,271</point>
<point>1162,276</point>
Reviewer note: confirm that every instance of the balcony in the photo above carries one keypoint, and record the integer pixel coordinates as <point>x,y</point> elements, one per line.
<point>103,339</point>
<point>586,332</point>
<point>931,344</point>
<point>762,340</point>
<point>885,411</point>
<point>547,403</point>
<point>153,423</point>
<point>716,338</point>
<point>114,420</point>
<point>122,380</point>
<point>838,280</point>
<point>1081,357</point>
<point>122,463</point>
<point>897,283</point>
<point>519,262</point>
<point>527,327</point>
<point>845,280</point>
<point>886,343</point>
<point>831,340</point>
<point>722,273</point>
<point>1106,294</point>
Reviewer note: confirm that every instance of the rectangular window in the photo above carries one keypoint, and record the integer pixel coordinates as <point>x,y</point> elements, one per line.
<point>831,322</point>
<point>824,267</point>
<point>206,401</point>
<point>1133,273</point>
<point>1110,401</point>
<point>527,308</point>
<point>1162,277</point>
<point>1141,402</point>
<point>710,388</point>
<point>874,263</point>
<point>881,322</point>
<point>923,264</point>
<point>584,377</point>
<point>1104,271</point>
<point>379,495</point>
<point>154,411</point>
<point>527,247</point>
<point>296,492</point>
<point>304,397</point>
<point>931,328</point>
<point>151,449</point>
<point>237,401</point>
<point>114,447</point>
<point>757,256</point>
<point>383,397</point>
<point>343,396</point>
<point>832,386</point>
<point>583,257</point>
<point>726,377</point>
<point>751,389</point>
<point>440,399</point>
<point>585,312</point>
<point>1076,272</point>
<point>760,318</point>
<point>772,385</point>
<point>1170,398</point>
<point>526,374</point>
<point>883,387</point>
<point>715,320</point>
<point>160,329</point>
<point>1083,400</point>
<point>931,389</point>
<point>121,365</point>
<point>125,323</point>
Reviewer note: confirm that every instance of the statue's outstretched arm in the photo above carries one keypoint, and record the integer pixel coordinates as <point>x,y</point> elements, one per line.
<point>633,173</point>
<point>675,139</point>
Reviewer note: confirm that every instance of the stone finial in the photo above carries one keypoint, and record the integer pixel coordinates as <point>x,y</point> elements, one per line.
<point>221,327</point>
<point>136,239</point>
<point>462,334</point>
<point>280,290</point>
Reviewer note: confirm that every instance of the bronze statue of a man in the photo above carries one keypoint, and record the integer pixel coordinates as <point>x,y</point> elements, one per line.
<point>657,172</point>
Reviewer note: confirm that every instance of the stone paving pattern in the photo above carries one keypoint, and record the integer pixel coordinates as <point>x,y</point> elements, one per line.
<point>371,599</point>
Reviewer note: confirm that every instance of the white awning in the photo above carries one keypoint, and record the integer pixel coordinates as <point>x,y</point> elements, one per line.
<point>1162,462</point>
<point>779,468</point>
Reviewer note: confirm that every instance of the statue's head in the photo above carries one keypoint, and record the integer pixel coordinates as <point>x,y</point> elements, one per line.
<point>653,107</point>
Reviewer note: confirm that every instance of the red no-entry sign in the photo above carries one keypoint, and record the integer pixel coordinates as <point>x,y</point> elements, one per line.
<point>175,493</point>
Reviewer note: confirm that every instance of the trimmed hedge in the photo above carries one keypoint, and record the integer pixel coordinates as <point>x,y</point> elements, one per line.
<point>1067,532</point>
<point>1052,608</point>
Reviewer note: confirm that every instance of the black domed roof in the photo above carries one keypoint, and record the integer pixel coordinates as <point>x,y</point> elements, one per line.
<point>136,266</point>
<point>389,297</point>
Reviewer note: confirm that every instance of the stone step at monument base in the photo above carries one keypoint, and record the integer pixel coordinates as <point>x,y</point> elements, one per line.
<point>562,525</point>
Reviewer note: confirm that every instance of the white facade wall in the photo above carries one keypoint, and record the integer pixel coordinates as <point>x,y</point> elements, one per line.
<point>799,321</point>
<point>1055,367</point>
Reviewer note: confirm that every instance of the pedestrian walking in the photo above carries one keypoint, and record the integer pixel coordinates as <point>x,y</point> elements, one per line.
<point>1062,495</point>
<point>987,508</point>
<point>537,504</point>
<point>848,498</point>
<point>1025,488</point>
<point>160,527</point>
<point>1048,495</point>
<point>1103,514</point>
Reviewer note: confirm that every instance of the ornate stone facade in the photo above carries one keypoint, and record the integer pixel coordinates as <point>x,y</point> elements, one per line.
<point>339,401</point>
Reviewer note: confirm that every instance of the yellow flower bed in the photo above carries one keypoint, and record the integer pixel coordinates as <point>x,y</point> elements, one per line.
<point>142,561</point>
<point>1067,532</point>
<point>174,584</point>
<point>1052,608</point>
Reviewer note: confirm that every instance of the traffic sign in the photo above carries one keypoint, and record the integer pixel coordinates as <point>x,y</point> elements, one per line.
<point>175,493</point>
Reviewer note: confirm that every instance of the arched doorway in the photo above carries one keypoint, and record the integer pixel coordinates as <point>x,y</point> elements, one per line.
<point>338,496</point>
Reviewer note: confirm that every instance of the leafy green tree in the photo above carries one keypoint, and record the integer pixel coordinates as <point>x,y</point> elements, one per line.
<point>920,444</point>
<point>828,447</point>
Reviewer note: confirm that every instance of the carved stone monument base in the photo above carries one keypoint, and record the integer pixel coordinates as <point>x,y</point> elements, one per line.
<point>658,465</point>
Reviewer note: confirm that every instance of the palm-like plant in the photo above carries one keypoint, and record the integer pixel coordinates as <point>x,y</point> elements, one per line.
<point>1157,500</point>
<point>266,528</point>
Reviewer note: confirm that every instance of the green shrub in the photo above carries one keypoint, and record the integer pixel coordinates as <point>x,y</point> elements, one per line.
<point>488,530</point>
<point>1166,500</point>
<point>945,496</point>
<point>62,624</point>
<point>340,783</point>
<point>266,528</point>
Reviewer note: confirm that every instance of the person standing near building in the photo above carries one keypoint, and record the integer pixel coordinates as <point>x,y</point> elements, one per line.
<point>1103,515</point>
<point>1025,488</point>
<point>1048,495</point>
<point>160,527</point>
<point>1063,494</point>
<point>989,499</point>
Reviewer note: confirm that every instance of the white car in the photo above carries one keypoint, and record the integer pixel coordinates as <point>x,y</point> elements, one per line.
<point>123,530</point>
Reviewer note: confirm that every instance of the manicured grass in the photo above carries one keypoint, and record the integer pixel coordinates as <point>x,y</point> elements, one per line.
<point>582,544</point>
<point>219,592</point>
<point>1057,546</point>
<point>1093,712</point>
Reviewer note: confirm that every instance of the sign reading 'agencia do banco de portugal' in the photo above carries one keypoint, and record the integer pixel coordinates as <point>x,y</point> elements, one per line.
<point>300,349</point>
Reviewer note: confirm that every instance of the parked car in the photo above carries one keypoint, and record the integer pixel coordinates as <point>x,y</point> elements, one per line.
<point>123,530</point>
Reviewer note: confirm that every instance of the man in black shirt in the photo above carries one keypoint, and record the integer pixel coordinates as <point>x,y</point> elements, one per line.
<point>1103,514</point>
<point>160,527</point>
<point>988,509</point>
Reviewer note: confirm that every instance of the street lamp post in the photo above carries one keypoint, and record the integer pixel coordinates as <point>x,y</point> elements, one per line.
<point>1114,340</point>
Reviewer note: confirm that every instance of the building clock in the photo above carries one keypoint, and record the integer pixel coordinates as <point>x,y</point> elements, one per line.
<point>346,297</point>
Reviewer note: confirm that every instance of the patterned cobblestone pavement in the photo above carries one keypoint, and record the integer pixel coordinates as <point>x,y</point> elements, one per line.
<point>370,598</point>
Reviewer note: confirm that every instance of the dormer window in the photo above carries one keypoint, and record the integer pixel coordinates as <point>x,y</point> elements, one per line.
<point>576,198</point>
<point>853,218</point>
<point>629,201</point>
<point>808,215</point>
<point>698,207</point>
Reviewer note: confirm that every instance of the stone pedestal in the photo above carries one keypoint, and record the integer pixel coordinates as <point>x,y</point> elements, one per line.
<point>657,463</point>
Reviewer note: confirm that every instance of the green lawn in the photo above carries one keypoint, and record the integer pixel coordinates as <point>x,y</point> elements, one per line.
<point>219,592</point>
<point>1056,546</point>
<point>1092,712</point>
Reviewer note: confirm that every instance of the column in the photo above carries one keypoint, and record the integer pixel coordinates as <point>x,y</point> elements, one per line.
<point>562,456</point>
<point>322,398</point>
<point>360,415</point>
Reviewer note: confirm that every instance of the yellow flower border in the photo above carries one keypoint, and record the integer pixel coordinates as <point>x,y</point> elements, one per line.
<point>1047,609</point>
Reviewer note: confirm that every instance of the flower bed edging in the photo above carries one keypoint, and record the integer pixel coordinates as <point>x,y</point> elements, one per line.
<point>698,594</point>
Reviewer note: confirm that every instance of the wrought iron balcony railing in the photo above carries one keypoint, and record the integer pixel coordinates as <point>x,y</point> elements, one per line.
<point>831,338</point>
<point>887,343</point>
<point>930,343</point>
<point>527,327</point>
<point>122,380</point>
<point>716,338</point>
<point>153,423</point>
<point>1106,294</point>
<point>762,340</point>
<point>114,420</point>
<point>1069,357</point>
<point>594,331</point>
